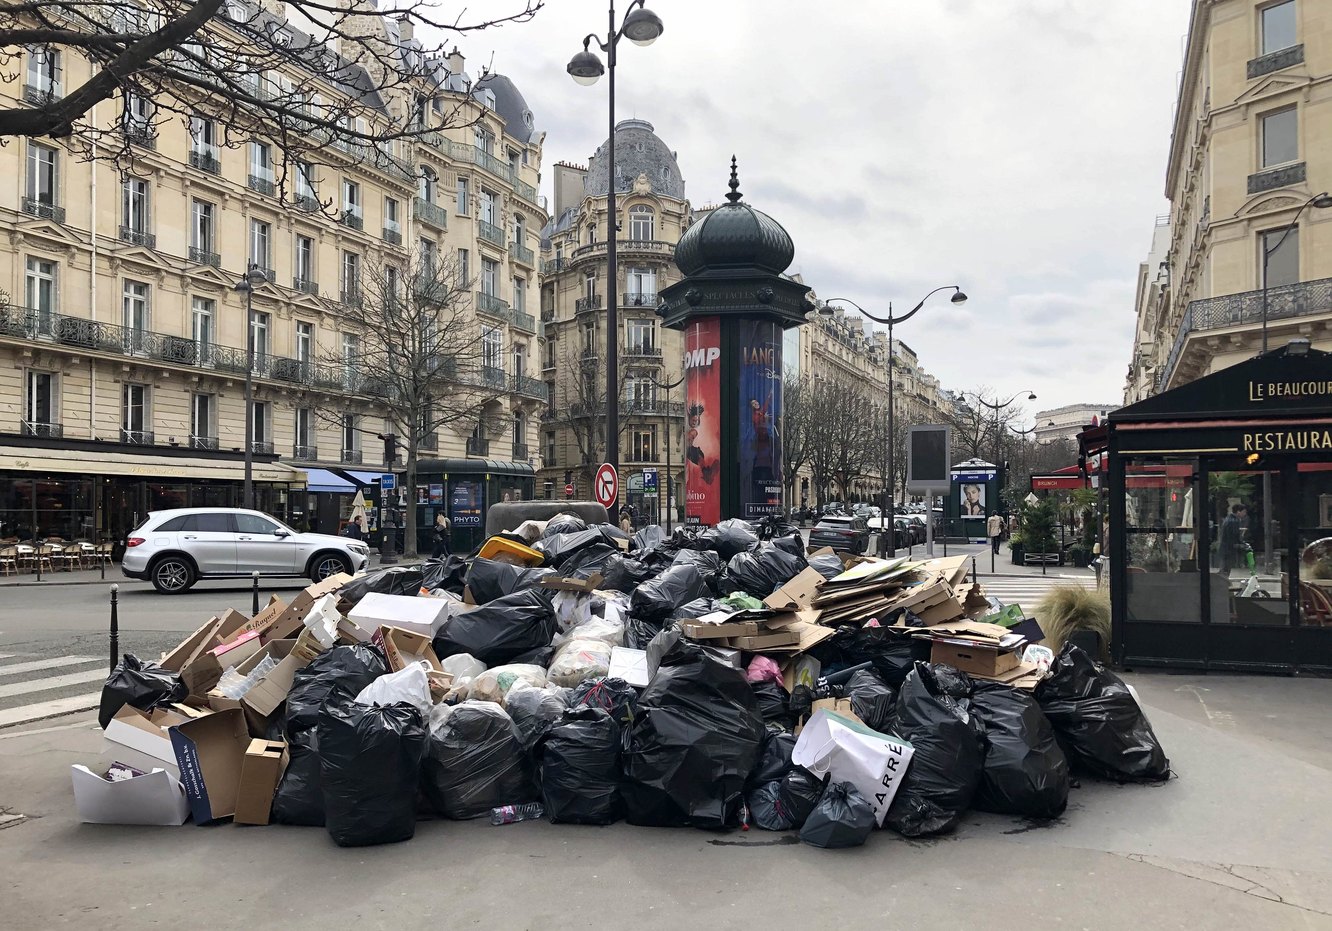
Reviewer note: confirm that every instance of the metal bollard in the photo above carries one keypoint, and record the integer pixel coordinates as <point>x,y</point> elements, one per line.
<point>115,626</point>
<point>102,562</point>
<point>255,609</point>
<point>973,569</point>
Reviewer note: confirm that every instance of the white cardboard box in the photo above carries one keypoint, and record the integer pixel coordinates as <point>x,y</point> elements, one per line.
<point>629,665</point>
<point>422,616</point>
<point>153,798</point>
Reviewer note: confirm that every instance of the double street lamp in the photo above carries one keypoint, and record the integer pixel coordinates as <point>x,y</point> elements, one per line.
<point>254,276</point>
<point>998,430</point>
<point>642,27</point>
<point>890,522</point>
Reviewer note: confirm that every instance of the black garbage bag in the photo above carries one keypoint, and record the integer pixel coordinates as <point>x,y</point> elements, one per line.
<point>696,608</point>
<point>580,768</point>
<point>560,546</point>
<point>639,633</point>
<point>300,795</point>
<point>390,580</point>
<point>502,630</point>
<point>798,792</point>
<point>140,685</point>
<point>655,599</point>
<point>614,696</point>
<point>449,573</point>
<point>842,818</point>
<point>1100,726</point>
<point>733,536</point>
<point>623,574</point>
<point>649,537</point>
<point>488,579</point>
<point>1025,773</point>
<point>563,523</point>
<point>706,562</point>
<point>872,699</point>
<point>695,538</point>
<point>765,810</point>
<point>535,711</point>
<point>774,760</point>
<point>760,571</point>
<point>776,525</point>
<point>670,637</point>
<point>340,672</point>
<point>475,761</point>
<point>828,565</point>
<point>696,734</point>
<point>794,544</point>
<point>774,703</point>
<point>369,768</point>
<point>589,561</point>
<point>946,766</point>
<point>893,654</point>
<point>538,656</point>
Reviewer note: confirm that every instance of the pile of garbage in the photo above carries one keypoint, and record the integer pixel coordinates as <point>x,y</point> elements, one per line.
<point>717,678</point>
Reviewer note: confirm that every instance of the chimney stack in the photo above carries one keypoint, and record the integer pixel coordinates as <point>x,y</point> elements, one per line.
<point>406,31</point>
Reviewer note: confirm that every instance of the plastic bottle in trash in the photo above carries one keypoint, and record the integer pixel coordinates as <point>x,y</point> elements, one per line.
<point>508,814</point>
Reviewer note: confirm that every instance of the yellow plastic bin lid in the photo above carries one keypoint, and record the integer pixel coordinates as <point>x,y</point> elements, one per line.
<point>506,550</point>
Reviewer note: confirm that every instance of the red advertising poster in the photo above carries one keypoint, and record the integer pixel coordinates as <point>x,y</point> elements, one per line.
<point>702,364</point>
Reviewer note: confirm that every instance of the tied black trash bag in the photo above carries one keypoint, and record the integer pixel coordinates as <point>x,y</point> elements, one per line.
<point>649,537</point>
<point>474,762</point>
<point>946,766</point>
<point>391,580</point>
<point>872,699</point>
<point>299,799</point>
<point>785,803</point>
<point>774,703</point>
<point>775,526</point>
<point>622,574</point>
<point>774,760</point>
<point>588,562</point>
<point>535,711</point>
<point>842,818</point>
<point>734,536</point>
<point>696,734</point>
<point>696,608</point>
<point>706,562</point>
<point>560,546</point>
<point>1025,771</point>
<point>449,574</point>
<point>828,565</point>
<point>370,766</point>
<point>488,579</point>
<point>563,523</point>
<point>580,769</point>
<point>1099,725</point>
<point>614,696</point>
<point>893,654</point>
<point>501,631</point>
<point>638,633</point>
<point>761,571</point>
<point>656,599</point>
<point>140,685</point>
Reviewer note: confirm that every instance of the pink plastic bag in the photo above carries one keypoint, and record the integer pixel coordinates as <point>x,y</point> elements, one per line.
<point>761,669</point>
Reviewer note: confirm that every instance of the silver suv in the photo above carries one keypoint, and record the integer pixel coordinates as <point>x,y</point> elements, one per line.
<point>174,549</point>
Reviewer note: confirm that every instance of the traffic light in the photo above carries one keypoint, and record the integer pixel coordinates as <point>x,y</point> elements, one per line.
<point>568,476</point>
<point>390,447</point>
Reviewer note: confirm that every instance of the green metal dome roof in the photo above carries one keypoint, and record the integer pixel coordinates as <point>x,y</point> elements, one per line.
<point>734,238</point>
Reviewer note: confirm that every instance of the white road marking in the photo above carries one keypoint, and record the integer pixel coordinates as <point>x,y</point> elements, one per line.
<point>51,662</point>
<point>52,682</point>
<point>48,709</point>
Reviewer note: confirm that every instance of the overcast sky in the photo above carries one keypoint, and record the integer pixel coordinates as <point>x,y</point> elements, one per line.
<point>1016,148</point>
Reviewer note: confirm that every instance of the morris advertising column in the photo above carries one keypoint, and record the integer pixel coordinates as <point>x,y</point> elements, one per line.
<point>732,306</point>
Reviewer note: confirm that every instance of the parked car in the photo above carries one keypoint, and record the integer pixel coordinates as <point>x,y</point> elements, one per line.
<point>176,548</point>
<point>903,535</point>
<point>917,522</point>
<point>841,533</point>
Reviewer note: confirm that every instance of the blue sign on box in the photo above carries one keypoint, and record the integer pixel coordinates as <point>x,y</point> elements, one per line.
<point>388,481</point>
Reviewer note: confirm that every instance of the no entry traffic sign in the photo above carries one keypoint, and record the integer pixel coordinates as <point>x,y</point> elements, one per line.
<point>568,491</point>
<point>607,485</point>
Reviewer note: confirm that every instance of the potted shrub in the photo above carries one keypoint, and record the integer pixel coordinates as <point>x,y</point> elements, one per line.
<point>1080,554</point>
<point>1037,526</point>
<point>1015,547</point>
<point>1067,609</point>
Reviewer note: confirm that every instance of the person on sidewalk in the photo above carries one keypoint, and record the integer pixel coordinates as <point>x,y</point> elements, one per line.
<point>441,532</point>
<point>1231,548</point>
<point>626,520</point>
<point>994,527</point>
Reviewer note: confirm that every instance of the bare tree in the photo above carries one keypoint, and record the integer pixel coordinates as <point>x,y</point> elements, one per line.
<point>979,423</point>
<point>326,70</point>
<point>581,406</point>
<point>799,401</point>
<point>419,355</point>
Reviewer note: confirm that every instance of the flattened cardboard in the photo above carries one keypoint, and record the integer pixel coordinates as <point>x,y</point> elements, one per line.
<point>763,641</point>
<point>266,618</point>
<point>589,584</point>
<point>239,649</point>
<point>798,593</point>
<point>261,771</point>
<point>810,634</point>
<point>217,631</point>
<point>697,631</point>
<point>424,616</point>
<point>154,798</point>
<point>289,623</point>
<point>210,752</point>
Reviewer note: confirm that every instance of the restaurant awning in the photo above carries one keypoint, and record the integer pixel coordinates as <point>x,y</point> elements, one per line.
<point>110,462</point>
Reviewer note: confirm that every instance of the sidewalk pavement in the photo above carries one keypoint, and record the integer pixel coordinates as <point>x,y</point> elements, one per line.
<point>113,574</point>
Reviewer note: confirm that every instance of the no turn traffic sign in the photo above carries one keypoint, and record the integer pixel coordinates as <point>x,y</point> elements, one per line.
<point>607,485</point>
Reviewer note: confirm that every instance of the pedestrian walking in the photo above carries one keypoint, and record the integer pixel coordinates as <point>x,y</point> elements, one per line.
<point>1230,551</point>
<point>995,528</point>
<point>626,521</point>
<point>441,536</point>
<point>354,530</point>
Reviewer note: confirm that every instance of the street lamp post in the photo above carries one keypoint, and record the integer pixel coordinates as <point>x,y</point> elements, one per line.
<point>890,525</point>
<point>667,388</point>
<point>1318,202</point>
<point>1031,396</point>
<point>254,276</point>
<point>642,27</point>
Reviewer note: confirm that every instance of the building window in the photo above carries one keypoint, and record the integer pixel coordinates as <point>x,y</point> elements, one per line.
<point>486,206</point>
<point>134,311</point>
<point>590,285</point>
<point>259,431</point>
<point>519,359</point>
<point>261,245</point>
<point>644,444</point>
<point>43,174</point>
<point>39,408</point>
<point>1280,145</point>
<point>202,237</point>
<point>261,167</point>
<point>305,256</point>
<point>351,277</point>
<point>550,357</point>
<point>520,294</point>
<point>519,231</point>
<point>642,336</point>
<point>485,139</point>
<point>39,287</point>
<point>429,259</point>
<point>351,199</point>
<point>642,284</point>
<point>427,184</point>
<point>391,220</point>
<point>513,161</point>
<point>1283,257</point>
<point>305,184</point>
<point>641,223</point>
<point>351,437</point>
<point>203,137</point>
<point>201,311</point>
<point>464,266</point>
<point>259,330</point>
<point>304,428</point>
<point>134,205</point>
<point>550,448</point>
<point>589,339</point>
<point>462,196</point>
<point>138,115</point>
<point>1278,26</point>
<point>134,419</point>
<point>640,391</point>
<point>304,341</point>
<point>43,72</point>
<point>351,354</point>
<point>201,422</point>
<point>489,277</point>
<point>492,348</point>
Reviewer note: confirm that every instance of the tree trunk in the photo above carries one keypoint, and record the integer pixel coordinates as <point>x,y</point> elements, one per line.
<point>409,479</point>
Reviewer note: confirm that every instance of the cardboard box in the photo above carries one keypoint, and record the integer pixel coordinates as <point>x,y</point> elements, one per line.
<point>267,617</point>
<point>153,798</point>
<point>271,691</point>
<point>629,665</point>
<point>695,630</point>
<point>289,622</point>
<point>404,647</point>
<point>210,752</point>
<point>798,593</point>
<point>979,659</point>
<point>202,671</point>
<point>423,616</point>
<point>589,584</point>
<point>261,771</point>
<point>236,651</point>
<point>217,631</point>
<point>142,740</point>
<point>766,639</point>
<point>810,635</point>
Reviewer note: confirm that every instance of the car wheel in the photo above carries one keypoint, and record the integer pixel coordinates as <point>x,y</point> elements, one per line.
<point>173,575</point>
<point>327,564</point>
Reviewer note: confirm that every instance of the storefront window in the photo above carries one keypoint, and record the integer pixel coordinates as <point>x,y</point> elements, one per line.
<point>1314,538</point>
<point>1248,548</point>
<point>37,509</point>
<point>1160,513</point>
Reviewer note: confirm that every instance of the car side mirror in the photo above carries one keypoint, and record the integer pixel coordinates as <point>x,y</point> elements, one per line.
<point>281,533</point>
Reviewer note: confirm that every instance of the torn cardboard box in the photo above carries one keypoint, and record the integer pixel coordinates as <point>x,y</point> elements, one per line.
<point>261,771</point>
<point>210,752</point>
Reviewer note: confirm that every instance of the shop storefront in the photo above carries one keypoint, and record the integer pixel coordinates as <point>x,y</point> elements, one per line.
<point>1220,498</point>
<point>463,490</point>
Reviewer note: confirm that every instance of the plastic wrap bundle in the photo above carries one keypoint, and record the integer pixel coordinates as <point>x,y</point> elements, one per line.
<point>535,710</point>
<point>580,768</point>
<point>655,600</point>
<point>1025,772</point>
<point>1098,722</point>
<point>580,659</point>
<point>140,685</point>
<point>946,766</point>
<point>475,761</point>
<point>370,765</point>
<point>696,734</point>
<point>501,631</point>
<point>761,570</point>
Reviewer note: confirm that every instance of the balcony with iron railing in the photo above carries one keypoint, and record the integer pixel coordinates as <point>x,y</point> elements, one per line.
<point>492,304</point>
<point>203,442</point>
<point>262,184</point>
<point>490,232</point>
<point>393,235</point>
<point>478,447</point>
<point>262,447</point>
<point>522,254</point>
<point>137,437</point>
<point>523,322</point>
<point>551,266</point>
<point>519,451</point>
<point>206,160</point>
<point>138,237</point>
<point>202,256</point>
<point>351,456</point>
<point>305,285</point>
<point>38,207</point>
<point>142,136</point>
<point>625,247</point>
<point>1245,309</point>
<point>642,352</point>
<point>587,304</point>
<point>41,96</point>
<point>529,387</point>
<point>42,428</point>
<point>305,452</point>
<point>639,299</point>
<point>352,219</point>
<point>433,214</point>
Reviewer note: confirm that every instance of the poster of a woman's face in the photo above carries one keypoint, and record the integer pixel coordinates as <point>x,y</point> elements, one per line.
<point>973,500</point>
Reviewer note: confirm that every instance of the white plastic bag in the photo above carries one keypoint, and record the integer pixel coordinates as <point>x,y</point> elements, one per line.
<point>463,665</point>
<point>410,685</point>
<point>323,619</point>
<point>578,660</point>
<point>494,684</point>
<point>461,690</point>
<point>874,763</point>
<point>608,631</point>
<point>572,608</point>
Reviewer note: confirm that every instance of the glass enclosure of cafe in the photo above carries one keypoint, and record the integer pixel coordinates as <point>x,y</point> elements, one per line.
<point>1221,520</point>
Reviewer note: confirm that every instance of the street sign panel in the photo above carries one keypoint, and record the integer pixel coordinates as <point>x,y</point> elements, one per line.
<point>607,485</point>
<point>927,459</point>
<point>388,481</point>
<point>568,491</point>
<point>649,480</point>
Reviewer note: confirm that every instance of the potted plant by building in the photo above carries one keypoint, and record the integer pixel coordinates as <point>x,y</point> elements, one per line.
<point>1071,611</point>
<point>1015,547</point>
<point>1037,526</point>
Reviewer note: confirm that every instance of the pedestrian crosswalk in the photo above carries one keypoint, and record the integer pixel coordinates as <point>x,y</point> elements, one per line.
<point>34,687</point>
<point>1028,590</point>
